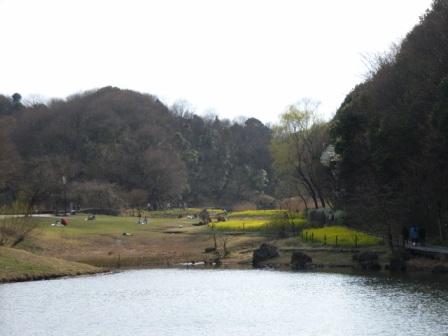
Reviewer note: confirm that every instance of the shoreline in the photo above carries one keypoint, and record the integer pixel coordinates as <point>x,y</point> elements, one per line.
<point>54,276</point>
<point>20,266</point>
<point>325,260</point>
<point>113,244</point>
<point>267,266</point>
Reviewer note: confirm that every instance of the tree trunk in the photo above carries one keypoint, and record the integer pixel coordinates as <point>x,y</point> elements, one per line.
<point>318,191</point>
<point>308,186</point>
<point>390,237</point>
<point>214,240</point>
<point>439,222</point>
<point>303,199</point>
<point>322,200</point>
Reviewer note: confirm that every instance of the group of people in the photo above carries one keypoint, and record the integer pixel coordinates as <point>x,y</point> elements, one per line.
<point>60,222</point>
<point>414,235</point>
<point>141,220</point>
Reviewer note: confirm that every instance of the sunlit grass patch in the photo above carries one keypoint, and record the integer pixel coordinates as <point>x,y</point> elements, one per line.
<point>78,226</point>
<point>241,224</point>
<point>344,235</point>
<point>182,212</point>
<point>257,213</point>
<point>292,220</point>
<point>272,223</point>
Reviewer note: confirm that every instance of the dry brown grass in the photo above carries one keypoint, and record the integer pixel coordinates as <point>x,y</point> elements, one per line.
<point>102,243</point>
<point>293,204</point>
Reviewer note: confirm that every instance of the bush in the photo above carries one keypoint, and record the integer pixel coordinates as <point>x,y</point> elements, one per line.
<point>136,198</point>
<point>292,204</point>
<point>241,206</point>
<point>96,195</point>
<point>264,201</point>
<point>101,211</point>
<point>286,224</point>
<point>15,225</point>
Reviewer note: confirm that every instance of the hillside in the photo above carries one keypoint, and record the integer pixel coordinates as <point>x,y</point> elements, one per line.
<point>391,133</point>
<point>121,148</point>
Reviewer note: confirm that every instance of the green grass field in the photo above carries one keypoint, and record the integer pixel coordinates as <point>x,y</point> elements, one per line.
<point>78,226</point>
<point>165,240</point>
<point>175,213</point>
<point>101,225</point>
<point>345,236</point>
<point>109,241</point>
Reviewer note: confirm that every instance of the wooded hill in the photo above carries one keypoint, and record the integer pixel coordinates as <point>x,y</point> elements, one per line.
<point>122,148</point>
<point>383,159</point>
<point>392,134</point>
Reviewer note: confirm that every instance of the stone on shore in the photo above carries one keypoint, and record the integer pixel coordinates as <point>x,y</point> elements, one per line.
<point>300,261</point>
<point>368,261</point>
<point>263,253</point>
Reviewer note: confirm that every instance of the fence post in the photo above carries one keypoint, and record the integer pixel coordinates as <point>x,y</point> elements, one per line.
<point>312,236</point>
<point>325,239</point>
<point>336,240</point>
<point>306,236</point>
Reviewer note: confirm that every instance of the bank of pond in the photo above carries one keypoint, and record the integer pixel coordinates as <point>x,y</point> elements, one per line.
<point>241,239</point>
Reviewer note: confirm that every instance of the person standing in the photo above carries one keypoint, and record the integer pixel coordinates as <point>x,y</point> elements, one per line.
<point>413,235</point>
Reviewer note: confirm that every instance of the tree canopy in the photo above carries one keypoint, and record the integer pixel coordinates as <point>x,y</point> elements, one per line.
<point>391,134</point>
<point>133,142</point>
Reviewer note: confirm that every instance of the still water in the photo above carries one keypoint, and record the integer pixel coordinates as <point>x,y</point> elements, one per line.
<point>224,302</point>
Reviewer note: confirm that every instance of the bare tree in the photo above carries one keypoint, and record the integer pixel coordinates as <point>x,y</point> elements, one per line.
<point>15,225</point>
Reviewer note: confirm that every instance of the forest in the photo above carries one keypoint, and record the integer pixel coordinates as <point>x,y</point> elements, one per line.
<point>118,148</point>
<point>382,159</point>
<point>391,133</point>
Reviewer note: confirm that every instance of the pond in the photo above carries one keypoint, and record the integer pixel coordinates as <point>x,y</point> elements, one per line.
<point>225,302</point>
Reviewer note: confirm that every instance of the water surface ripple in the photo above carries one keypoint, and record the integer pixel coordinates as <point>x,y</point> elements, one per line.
<point>224,302</point>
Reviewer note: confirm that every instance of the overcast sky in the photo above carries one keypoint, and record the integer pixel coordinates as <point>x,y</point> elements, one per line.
<point>232,57</point>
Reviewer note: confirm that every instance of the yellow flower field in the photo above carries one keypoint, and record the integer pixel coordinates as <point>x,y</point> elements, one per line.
<point>345,236</point>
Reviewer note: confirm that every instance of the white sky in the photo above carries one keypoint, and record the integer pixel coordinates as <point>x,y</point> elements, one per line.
<point>235,57</point>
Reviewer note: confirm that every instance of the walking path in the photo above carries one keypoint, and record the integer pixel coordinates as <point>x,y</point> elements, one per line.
<point>427,249</point>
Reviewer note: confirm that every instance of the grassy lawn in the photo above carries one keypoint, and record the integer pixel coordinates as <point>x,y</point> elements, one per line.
<point>82,238</point>
<point>21,265</point>
<point>175,213</point>
<point>345,236</point>
<point>106,225</point>
<point>101,242</point>
<point>166,240</point>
